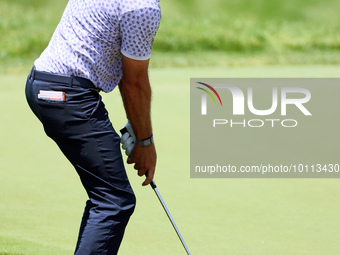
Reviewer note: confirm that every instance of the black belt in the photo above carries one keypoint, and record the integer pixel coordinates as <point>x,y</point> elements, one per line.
<point>70,80</point>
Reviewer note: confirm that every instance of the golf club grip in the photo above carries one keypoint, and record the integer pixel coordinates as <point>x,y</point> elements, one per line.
<point>152,183</point>
<point>123,130</point>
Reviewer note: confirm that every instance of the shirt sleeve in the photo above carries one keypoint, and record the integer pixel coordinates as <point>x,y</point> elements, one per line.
<point>138,28</point>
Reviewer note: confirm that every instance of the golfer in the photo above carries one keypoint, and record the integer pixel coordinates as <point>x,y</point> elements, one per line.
<point>98,45</point>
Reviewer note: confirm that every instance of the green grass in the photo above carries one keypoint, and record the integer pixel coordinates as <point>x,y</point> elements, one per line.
<point>197,33</point>
<point>248,26</point>
<point>42,199</point>
<point>26,27</point>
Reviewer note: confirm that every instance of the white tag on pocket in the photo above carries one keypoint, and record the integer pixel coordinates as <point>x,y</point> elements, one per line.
<point>51,95</point>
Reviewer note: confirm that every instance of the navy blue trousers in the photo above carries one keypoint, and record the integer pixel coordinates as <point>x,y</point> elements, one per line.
<point>81,128</point>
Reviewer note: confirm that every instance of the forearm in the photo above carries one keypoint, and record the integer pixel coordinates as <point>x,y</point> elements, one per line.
<point>136,93</point>
<point>136,97</point>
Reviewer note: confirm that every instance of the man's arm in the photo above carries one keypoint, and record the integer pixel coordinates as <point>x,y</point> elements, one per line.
<point>136,94</point>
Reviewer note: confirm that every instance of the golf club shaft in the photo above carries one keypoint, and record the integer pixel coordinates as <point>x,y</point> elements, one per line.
<point>154,187</point>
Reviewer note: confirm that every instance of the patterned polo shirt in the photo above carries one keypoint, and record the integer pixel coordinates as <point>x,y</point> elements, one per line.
<point>92,35</point>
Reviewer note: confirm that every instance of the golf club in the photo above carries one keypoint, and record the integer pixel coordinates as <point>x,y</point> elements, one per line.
<point>154,187</point>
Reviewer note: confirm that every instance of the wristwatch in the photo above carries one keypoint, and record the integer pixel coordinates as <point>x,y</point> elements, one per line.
<point>145,142</point>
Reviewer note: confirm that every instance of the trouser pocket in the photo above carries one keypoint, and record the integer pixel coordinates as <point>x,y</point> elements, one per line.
<point>62,116</point>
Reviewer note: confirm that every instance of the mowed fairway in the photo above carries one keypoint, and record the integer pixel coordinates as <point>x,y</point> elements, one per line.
<point>42,200</point>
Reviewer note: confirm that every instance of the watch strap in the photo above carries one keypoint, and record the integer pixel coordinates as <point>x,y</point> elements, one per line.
<point>145,142</point>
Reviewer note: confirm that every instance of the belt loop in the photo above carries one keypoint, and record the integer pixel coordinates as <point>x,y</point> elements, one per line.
<point>32,73</point>
<point>71,81</point>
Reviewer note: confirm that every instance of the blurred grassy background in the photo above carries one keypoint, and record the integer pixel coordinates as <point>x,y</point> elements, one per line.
<point>42,199</point>
<point>196,32</point>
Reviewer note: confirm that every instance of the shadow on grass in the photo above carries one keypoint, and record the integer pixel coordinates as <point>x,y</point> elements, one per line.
<point>8,253</point>
<point>16,246</point>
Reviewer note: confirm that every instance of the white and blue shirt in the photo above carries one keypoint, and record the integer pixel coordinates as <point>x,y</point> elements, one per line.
<point>92,35</point>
